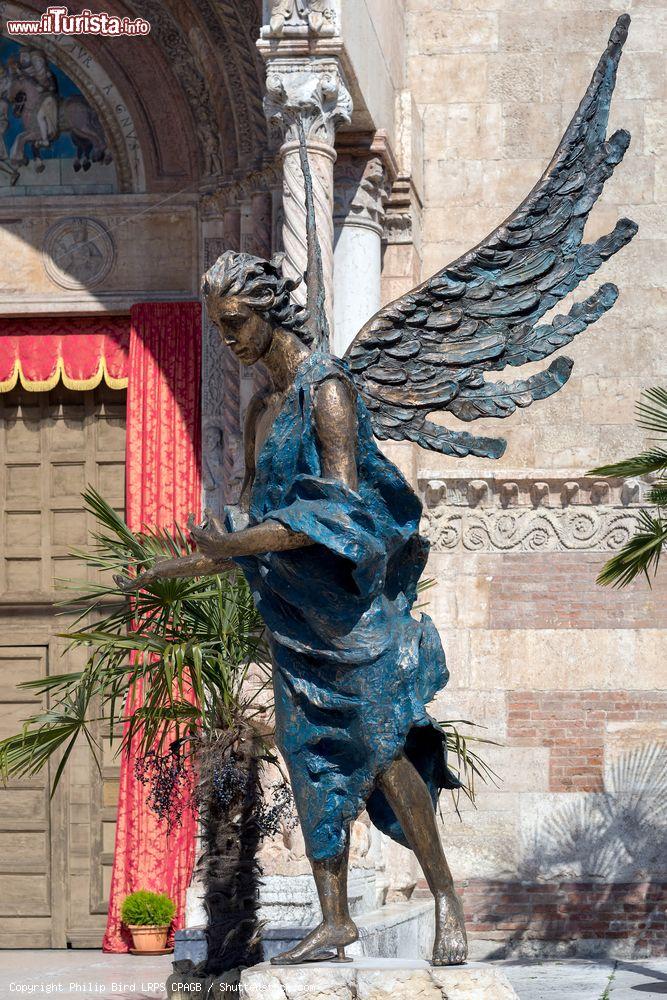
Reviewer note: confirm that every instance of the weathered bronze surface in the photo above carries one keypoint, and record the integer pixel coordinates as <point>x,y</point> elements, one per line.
<point>428,350</point>
<point>328,530</point>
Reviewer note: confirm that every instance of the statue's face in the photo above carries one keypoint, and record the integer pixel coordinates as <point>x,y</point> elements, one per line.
<point>243,330</point>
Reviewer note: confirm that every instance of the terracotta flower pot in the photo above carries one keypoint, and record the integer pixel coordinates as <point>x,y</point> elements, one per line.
<point>149,937</point>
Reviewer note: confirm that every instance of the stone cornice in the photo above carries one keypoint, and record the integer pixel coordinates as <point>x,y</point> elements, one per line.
<point>300,48</point>
<point>527,488</point>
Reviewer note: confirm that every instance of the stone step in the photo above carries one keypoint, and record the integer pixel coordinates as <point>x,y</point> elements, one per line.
<point>398,930</point>
<point>292,900</point>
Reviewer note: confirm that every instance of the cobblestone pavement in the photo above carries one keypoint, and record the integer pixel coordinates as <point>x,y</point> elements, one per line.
<point>90,975</point>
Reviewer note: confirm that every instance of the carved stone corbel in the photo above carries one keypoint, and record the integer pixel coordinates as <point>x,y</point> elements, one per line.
<point>298,17</point>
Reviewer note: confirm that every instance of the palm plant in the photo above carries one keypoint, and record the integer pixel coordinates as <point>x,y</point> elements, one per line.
<point>641,554</point>
<point>195,650</point>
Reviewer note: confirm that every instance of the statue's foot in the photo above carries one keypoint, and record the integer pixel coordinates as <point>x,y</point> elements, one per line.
<point>314,947</point>
<point>451,943</point>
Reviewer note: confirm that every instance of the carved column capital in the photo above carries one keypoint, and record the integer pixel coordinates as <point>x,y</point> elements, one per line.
<point>361,191</point>
<point>312,90</point>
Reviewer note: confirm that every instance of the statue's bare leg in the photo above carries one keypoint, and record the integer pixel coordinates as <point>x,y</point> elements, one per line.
<point>409,798</point>
<point>337,928</point>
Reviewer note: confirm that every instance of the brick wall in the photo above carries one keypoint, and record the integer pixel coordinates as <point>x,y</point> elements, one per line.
<point>558,590</point>
<point>573,726</point>
<point>563,918</point>
<point>574,917</point>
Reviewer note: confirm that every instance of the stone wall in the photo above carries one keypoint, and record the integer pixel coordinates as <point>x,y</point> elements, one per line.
<point>569,678</point>
<point>74,253</point>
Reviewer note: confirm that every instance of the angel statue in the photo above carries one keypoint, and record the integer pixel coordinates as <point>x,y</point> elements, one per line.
<point>327,529</point>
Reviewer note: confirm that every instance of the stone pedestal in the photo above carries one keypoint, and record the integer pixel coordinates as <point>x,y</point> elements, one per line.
<point>375,979</point>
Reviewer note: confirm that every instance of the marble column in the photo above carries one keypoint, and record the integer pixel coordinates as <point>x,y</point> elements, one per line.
<point>361,190</point>
<point>311,90</point>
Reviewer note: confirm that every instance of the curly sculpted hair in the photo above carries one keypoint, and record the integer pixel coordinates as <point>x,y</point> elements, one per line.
<point>259,284</point>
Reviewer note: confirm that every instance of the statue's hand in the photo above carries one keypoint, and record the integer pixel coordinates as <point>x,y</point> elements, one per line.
<point>210,536</point>
<point>126,584</point>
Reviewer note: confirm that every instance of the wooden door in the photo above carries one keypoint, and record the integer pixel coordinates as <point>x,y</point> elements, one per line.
<point>28,879</point>
<point>55,856</point>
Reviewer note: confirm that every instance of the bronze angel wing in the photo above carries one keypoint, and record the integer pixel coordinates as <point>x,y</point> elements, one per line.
<point>429,349</point>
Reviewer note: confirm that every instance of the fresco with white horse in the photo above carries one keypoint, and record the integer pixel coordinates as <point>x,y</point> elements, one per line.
<point>50,135</point>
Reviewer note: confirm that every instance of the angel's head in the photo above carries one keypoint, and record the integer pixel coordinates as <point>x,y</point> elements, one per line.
<point>248,299</point>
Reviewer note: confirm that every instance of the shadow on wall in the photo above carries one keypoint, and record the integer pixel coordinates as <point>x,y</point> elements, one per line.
<point>593,876</point>
<point>615,835</point>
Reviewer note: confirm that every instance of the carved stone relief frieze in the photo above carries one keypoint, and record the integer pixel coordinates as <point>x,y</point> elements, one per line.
<point>236,192</point>
<point>188,67</point>
<point>233,27</point>
<point>529,514</point>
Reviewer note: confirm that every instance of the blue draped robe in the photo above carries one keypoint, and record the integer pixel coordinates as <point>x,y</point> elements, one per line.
<point>352,669</point>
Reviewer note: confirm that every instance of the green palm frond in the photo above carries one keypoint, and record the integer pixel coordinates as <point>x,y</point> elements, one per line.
<point>641,553</point>
<point>188,643</point>
<point>652,410</point>
<point>48,733</point>
<point>657,495</point>
<point>470,764</point>
<point>648,462</point>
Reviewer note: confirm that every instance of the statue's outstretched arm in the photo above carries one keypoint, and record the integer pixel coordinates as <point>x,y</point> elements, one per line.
<point>336,429</point>
<point>216,550</point>
<point>186,567</point>
<point>269,536</point>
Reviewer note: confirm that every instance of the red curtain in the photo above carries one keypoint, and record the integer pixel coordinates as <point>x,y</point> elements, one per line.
<point>82,351</point>
<point>163,485</point>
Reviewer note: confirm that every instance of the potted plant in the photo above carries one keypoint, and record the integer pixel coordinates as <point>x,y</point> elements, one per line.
<point>148,916</point>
